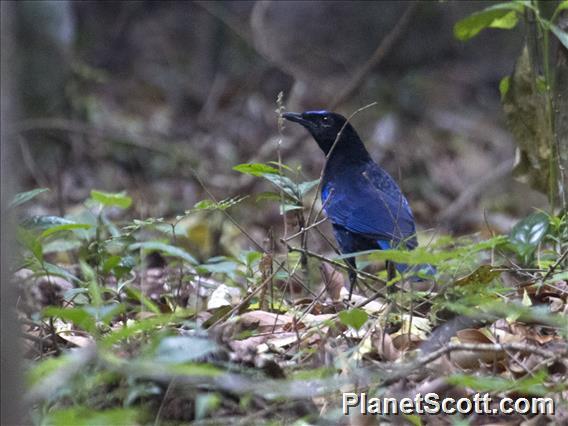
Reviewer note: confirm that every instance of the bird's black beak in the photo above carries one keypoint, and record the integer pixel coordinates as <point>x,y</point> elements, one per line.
<point>297,118</point>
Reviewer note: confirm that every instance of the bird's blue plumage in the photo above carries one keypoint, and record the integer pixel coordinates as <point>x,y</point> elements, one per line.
<point>363,202</point>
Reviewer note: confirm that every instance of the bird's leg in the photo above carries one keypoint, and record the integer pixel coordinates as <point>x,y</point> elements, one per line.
<point>352,275</point>
<point>391,275</point>
<point>352,282</point>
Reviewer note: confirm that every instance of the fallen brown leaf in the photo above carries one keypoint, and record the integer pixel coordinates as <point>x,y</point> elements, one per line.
<point>79,341</point>
<point>264,321</point>
<point>383,344</point>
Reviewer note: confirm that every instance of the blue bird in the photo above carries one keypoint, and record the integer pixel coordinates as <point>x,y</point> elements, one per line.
<point>362,201</point>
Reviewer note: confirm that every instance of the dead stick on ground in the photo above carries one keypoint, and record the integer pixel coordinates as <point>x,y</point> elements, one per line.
<point>404,370</point>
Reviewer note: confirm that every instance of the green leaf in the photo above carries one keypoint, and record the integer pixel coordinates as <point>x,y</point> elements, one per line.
<point>45,222</point>
<point>413,419</point>
<point>165,249</point>
<point>532,384</point>
<point>484,274</point>
<point>504,85</point>
<point>205,404</point>
<point>86,416</point>
<point>422,255</point>
<point>180,349</point>
<point>110,263</point>
<point>52,269</point>
<point>268,196</point>
<point>502,15</point>
<point>224,267</point>
<point>124,266</point>
<point>560,34</point>
<point>42,369</point>
<point>193,369</point>
<point>278,165</point>
<point>354,318</point>
<point>285,184</point>
<point>217,314</point>
<point>255,169</point>
<point>290,207</point>
<point>78,316</point>
<point>562,6</point>
<point>528,233</point>
<point>314,374</point>
<point>59,246</point>
<point>140,392</point>
<point>31,242</point>
<point>119,199</point>
<point>131,330</point>
<point>205,205</point>
<point>415,257</point>
<point>119,266</point>
<point>138,295</point>
<point>305,187</point>
<point>559,276</point>
<point>105,313</point>
<point>221,205</point>
<point>506,22</point>
<point>274,196</point>
<point>65,227</point>
<point>541,84</point>
<point>24,197</point>
<point>252,257</point>
<point>76,294</point>
<point>90,277</point>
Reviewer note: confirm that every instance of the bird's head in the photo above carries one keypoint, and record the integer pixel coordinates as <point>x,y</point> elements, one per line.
<point>324,126</point>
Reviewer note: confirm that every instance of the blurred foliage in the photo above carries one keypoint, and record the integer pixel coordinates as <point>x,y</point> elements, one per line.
<point>133,318</point>
<point>142,335</point>
<point>529,96</point>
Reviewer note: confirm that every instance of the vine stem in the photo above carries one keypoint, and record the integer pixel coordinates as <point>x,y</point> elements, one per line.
<point>542,36</point>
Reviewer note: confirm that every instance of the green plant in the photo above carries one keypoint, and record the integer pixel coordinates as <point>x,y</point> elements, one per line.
<point>531,96</point>
<point>127,339</point>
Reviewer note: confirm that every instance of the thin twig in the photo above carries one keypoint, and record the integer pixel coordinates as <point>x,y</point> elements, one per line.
<point>162,402</point>
<point>35,339</point>
<point>553,267</point>
<point>334,262</point>
<point>247,298</point>
<point>303,230</point>
<point>242,230</point>
<point>404,370</point>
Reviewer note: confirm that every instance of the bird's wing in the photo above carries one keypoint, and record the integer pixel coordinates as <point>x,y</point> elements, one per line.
<point>370,203</point>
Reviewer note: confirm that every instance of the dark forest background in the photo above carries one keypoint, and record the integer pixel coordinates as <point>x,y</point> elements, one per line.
<point>153,282</point>
<point>125,95</point>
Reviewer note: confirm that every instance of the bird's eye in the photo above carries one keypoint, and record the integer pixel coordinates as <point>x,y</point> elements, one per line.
<point>325,119</point>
